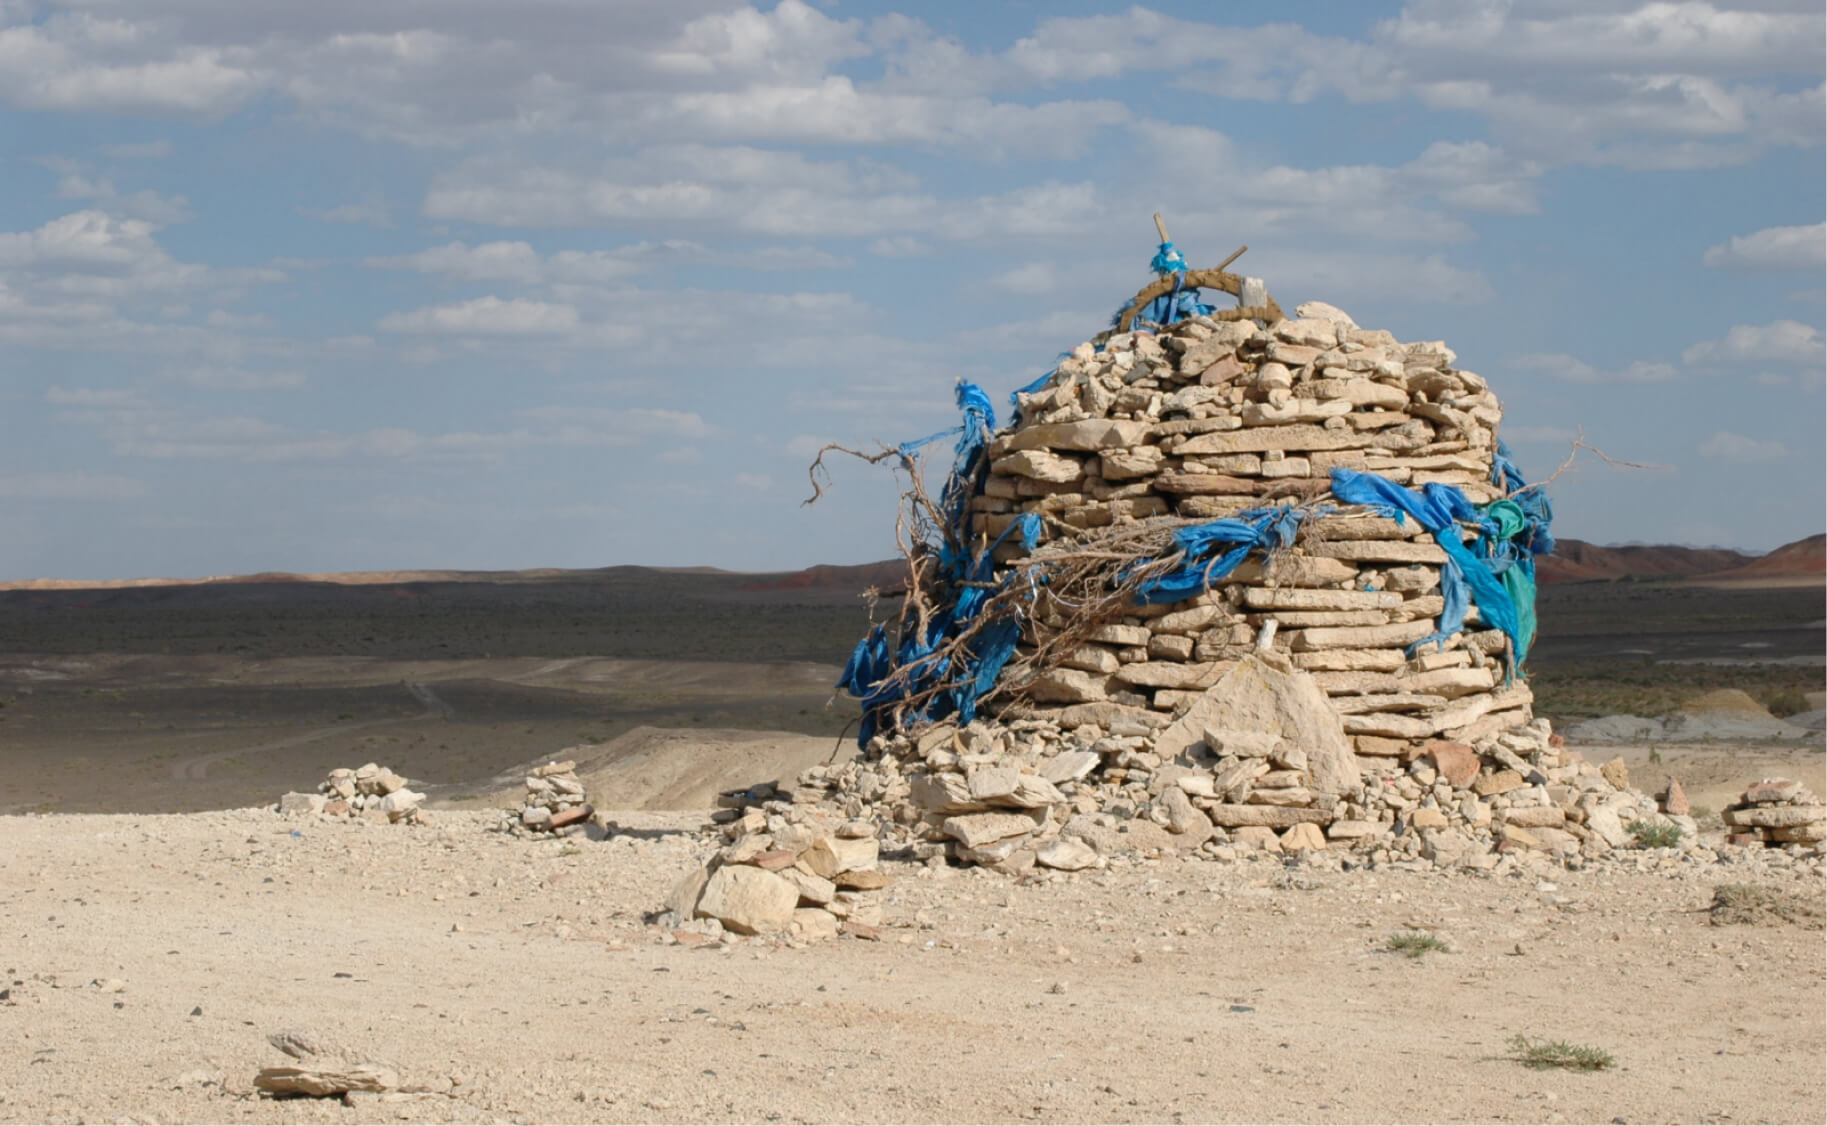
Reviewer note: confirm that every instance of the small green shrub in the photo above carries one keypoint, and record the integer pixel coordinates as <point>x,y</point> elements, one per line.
<point>1559,1053</point>
<point>1415,943</point>
<point>1650,834</point>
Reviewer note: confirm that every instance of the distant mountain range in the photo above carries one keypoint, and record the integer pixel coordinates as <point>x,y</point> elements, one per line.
<point>1574,561</point>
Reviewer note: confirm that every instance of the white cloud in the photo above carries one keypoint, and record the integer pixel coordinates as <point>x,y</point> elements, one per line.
<point>144,204</point>
<point>83,62</point>
<point>487,316</point>
<point>76,485</point>
<point>1772,249</point>
<point>95,254</point>
<point>1033,278</point>
<point>1574,370</point>
<point>1726,446</point>
<point>754,482</point>
<point>1690,84</point>
<point>1779,342</point>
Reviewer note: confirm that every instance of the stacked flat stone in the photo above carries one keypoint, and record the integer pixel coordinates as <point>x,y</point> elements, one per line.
<point>371,790</point>
<point>1206,419</point>
<point>787,869</point>
<point>555,799</point>
<point>1778,813</point>
<point>1258,761</point>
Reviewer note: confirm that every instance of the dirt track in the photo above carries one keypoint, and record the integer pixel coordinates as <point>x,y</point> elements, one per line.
<point>517,982</point>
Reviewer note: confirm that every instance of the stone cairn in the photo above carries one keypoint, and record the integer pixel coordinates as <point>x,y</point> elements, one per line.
<point>786,868</point>
<point>1776,812</point>
<point>371,790</point>
<point>555,799</point>
<point>1280,708</point>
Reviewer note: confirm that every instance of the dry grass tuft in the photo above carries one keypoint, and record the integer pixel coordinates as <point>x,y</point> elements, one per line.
<point>1759,905</point>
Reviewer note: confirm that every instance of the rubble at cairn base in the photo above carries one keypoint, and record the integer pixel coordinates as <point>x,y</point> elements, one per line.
<point>1776,812</point>
<point>1208,419</point>
<point>788,869</point>
<point>554,801</point>
<point>371,791</point>
<point>1259,761</point>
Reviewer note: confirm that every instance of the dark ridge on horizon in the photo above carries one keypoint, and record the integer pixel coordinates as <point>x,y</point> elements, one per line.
<point>1574,560</point>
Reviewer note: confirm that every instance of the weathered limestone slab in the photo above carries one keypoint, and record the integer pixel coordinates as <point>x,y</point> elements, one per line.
<point>1260,439</point>
<point>1361,637</point>
<point>1351,660</point>
<point>748,900</point>
<point>1285,598</point>
<point>1093,435</point>
<point>1265,694</point>
<point>1378,551</point>
<point>1265,816</point>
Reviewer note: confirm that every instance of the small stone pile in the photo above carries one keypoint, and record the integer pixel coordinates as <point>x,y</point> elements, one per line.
<point>555,800</point>
<point>1778,813</point>
<point>371,790</point>
<point>1208,418</point>
<point>1259,760</point>
<point>787,868</point>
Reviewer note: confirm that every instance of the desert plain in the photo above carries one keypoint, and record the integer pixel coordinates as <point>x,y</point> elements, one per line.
<point>161,920</point>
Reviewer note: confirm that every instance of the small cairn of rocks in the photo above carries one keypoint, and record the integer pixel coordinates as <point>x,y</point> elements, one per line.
<point>785,869</point>
<point>370,791</point>
<point>555,800</point>
<point>1776,813</point>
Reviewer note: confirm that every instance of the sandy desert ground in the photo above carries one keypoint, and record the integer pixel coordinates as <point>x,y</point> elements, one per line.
<point>148,953</point>
<point>147,957</point>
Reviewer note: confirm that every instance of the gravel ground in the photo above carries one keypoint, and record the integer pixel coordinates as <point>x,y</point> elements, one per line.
<point>148,957</point>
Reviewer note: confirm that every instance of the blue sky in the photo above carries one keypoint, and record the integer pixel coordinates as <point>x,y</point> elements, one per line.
<point>560,283</point>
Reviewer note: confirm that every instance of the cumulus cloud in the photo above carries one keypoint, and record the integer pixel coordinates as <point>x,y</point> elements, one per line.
<point>1727,446</point>
<point>1772,249</point>
<point>1575,370</point>
<point>1785,342</point>
<point>485,316</point>
<point>1646,85</point>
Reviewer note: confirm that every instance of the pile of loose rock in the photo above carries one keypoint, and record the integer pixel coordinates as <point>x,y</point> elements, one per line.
<point>789,869</point>
<point>1776,812</point>
<point>1209,418</point>
<point>371,790</point>
<point>1258,761</point>
<point>555,800</point>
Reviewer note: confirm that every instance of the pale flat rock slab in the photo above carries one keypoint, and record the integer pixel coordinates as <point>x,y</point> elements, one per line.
<point>748,900</point>
<point>1361,637</point>
<point>324,1080</point>
<point>1265,694</point>
<point>1296,598</point>
<point>976,830</point>
<point>1776,816</point>
<point>1379,551</point>
<point>1067,855</point>
<point>1092,435</point>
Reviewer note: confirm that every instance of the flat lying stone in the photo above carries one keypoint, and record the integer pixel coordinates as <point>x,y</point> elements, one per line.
<point>1268,816</point>
<point>1378,551</point>
<point>1090,435</point>
<point>1776,816</point>
<point>325,1079</point>
<point>975,830</point>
